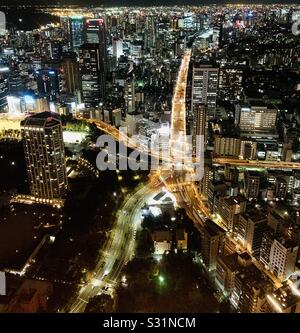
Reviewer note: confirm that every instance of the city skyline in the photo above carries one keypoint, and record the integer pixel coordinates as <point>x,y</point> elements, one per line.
<point>150,160</point>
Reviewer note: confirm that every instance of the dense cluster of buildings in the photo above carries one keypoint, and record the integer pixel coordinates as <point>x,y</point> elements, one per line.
<point>120,66</point>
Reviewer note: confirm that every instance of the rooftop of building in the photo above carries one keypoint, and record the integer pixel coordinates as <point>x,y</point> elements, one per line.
<point>212,228</point>
<point>255,215</point>
<point>287,243</point>
<point>253,173</point>
<point>257,103</point>
<point>235,200</point>
<point>231,261</point>
<point>287,296</point>
<point>246,271</point>
<point>41,119</point>
<point>162,236</point>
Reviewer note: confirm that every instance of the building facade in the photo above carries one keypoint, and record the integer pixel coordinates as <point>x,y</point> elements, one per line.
<point>45,156</point>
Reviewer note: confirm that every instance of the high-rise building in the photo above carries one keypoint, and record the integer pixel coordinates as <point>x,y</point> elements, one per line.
<point>283,256</point>
<point>70,72</point>
<point>117,45</point>
<point>48,83</point>
<point>230,209</point>
<point>281,188</point>
<point>204,87</point>
<point>65,27</point>
<point>204,183</point>
<point>266,244</point>
<point>76,32</point>
<point>3,86</point>
<point>45,156</point>
<point>227,146</point>
<point>252,184</point>
<point>250,287</point>
<point>250,230</point>
<point>199,133</point>
<point>91,74</point>
<point>212,244</point>
<point>248,149</point>
<point>255,117</point>
<point>285,299</point>
<point>217,36</point>
<point>243,283</point>
<point>130,95</point>
<point>15,82</point>
<point>95,33</point>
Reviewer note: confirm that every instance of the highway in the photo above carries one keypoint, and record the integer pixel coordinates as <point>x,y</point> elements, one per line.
<point>177,138</point>
<point>118,249</point>
<point>256,163</point>
<point>121,247</point>
<point>176,179</point>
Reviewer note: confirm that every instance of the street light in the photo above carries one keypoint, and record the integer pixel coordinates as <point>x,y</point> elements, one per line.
<point>161,279</point>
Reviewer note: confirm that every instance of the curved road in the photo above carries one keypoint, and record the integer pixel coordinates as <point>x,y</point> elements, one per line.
<point>118,250</point>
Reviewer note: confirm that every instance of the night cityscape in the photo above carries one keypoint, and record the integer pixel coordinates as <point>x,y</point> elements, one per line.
<point>149,158</point>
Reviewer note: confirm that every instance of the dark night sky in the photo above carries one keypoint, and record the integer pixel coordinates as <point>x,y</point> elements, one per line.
<point>139,2</point>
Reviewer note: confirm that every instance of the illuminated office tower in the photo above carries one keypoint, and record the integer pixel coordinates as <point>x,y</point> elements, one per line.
<point>250,230</point>
<point>15,82</point>
<point>255,117</point>
<point>91,74</point>
<point>252,184</point>
<point>204,87</point>
<point>199,128</point>
<point>150,31</point>
<point>95,33</point>
<point>117,45</point>
<point>76,32</point>
<point>283,257</point>
<point>217,36</point>
<point>65,27</point>
<point>48,83</point>
<point>130,96</point>
<point>3,86</point>
<point>45,156</point>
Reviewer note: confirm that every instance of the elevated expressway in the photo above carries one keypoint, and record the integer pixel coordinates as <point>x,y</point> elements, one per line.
<point>179,123</point>
<point>179,178</point>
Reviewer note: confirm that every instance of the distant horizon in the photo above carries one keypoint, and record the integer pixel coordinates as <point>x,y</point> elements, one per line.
<point>142,3</point>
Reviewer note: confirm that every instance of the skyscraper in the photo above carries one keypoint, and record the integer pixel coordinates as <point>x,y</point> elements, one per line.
<point>76,33</point>
<point>45,156</point>
<point>199,127</point>
<point>95,33</point>
<point>250,230</point>
<point>117,47</point>
<point>252,184</point>
<point>130,95</point>
<point>48,83</point>
<point>3,86</point>
<point>91,74</point>
<point>70,71</point>
<point>204,87</point>
<point>212,244</point>
<point>283,258</point>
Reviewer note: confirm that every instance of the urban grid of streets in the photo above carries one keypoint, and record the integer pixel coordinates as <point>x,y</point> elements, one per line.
<point>120,247</point>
